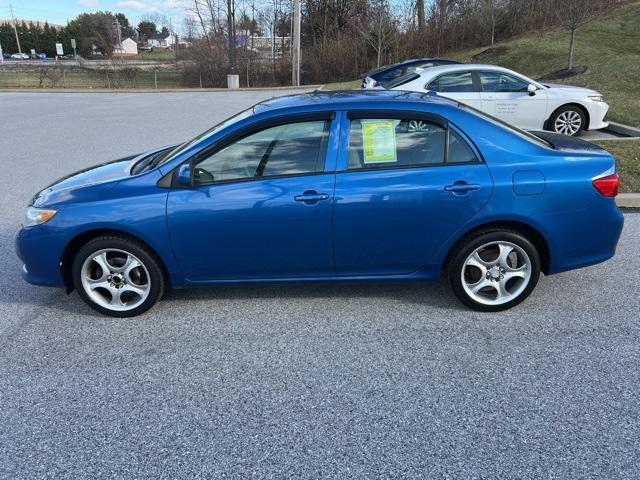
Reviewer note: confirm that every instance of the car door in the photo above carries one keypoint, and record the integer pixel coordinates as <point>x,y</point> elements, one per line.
<point>260,206</point>
<point>505,96</point>
<point>406,182</point>
<point>459,86</point>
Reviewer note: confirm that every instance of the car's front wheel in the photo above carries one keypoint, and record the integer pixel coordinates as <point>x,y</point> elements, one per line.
<point>494,270</point>
<point>117,276</point>
<point>568,120</point>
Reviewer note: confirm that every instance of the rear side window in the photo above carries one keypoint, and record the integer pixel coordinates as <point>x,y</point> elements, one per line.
<point>397,143</point>
<point>452,82</point>
<point>459,150</point>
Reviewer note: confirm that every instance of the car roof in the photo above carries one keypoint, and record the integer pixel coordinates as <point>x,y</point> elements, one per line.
<point>340,99</point>
<point>433,71</point>
<point>408,62</point>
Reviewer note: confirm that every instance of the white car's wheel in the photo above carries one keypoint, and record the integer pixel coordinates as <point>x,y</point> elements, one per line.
<point>568,120</point>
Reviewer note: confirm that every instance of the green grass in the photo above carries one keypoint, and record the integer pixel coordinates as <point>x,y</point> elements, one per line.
<point>83,79</point>
<point>352,85</point>
<point>608,45</point>
<point>157,54</point>
<point>627,153</point>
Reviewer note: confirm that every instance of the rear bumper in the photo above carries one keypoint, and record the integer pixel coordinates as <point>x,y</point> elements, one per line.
<point>582,238</point>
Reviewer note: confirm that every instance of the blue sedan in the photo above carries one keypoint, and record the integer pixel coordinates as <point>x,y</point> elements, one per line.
<point>341,186</point>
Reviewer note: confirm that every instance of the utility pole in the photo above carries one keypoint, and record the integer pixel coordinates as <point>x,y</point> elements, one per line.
<point>119,33</point>
<point>295,57</point>
<point>15,30</point>
<point>231,34</point>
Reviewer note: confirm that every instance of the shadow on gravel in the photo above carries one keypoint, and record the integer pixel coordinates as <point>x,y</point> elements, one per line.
<point>435,294</point>
<point>430,294</point>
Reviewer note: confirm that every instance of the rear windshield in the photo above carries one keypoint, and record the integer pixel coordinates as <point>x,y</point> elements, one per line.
<point>401,80</point>
<point>518,131</point>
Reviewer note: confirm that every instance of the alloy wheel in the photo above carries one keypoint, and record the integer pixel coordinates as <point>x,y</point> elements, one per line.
<point>115,279</point>
<point>568,122</point>
<point>496,273</point>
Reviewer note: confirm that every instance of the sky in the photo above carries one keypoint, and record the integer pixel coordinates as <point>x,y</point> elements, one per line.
<point>60,11</point>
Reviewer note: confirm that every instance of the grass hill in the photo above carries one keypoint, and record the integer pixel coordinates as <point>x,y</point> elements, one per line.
<point>609,46</point>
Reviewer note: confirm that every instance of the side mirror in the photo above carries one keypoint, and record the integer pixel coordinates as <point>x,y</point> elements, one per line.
<point>184,175</point>
<point>532,89</point>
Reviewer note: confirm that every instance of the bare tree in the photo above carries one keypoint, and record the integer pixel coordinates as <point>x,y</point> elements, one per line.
<point>381,29</point>
<point>420,14</point>
<point>490,11</point>
<point>572,15</point>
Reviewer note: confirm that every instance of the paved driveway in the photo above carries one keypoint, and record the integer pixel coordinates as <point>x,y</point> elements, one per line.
<point>326,381</point>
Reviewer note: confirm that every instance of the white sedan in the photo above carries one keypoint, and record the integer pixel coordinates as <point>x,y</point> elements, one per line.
<point>20,56</point>
<point>512,97</point>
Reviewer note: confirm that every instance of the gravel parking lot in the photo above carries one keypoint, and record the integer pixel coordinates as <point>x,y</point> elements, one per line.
<point>297,381</point>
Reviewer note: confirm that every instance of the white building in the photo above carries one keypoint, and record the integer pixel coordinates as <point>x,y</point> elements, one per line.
<point>128,47</point>
<point>166,40</point>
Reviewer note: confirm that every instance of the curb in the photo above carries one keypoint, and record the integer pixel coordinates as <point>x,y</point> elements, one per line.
<point>153,90</point>
<point>628,200</point>
<point>621,129</point>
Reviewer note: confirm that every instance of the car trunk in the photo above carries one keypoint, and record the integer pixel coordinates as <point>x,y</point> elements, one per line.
<point>565,142</point>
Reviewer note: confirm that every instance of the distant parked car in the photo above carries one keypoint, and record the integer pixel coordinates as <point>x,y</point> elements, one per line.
<point>20,56</point>
<point>342,186</point>
<point>390,72</point>
<point>41,56</point>
<point>512,97</point>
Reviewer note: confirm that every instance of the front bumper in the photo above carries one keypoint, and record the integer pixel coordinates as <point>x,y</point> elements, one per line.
<point>40,252</point>
<point>597,112</point>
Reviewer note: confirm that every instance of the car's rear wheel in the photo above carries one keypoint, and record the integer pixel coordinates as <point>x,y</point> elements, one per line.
<point>568,120</point>
<point>494,270</point>
<point>117,276</point>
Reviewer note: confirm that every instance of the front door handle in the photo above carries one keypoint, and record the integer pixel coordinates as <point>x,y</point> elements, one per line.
<point>311,197</point>
<point>461,187</point>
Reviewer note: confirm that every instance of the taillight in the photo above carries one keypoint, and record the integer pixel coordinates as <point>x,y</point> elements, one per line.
<point>608,186</point>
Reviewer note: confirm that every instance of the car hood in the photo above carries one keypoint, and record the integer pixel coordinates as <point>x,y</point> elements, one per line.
<point>105,175</point>
<point>571,89</point>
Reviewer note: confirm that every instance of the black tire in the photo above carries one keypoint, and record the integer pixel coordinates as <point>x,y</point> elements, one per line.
<point>154,281</point>
<point>459,256</point>
<point>561,117</point>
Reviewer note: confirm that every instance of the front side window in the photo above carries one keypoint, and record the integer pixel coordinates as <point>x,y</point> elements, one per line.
<point>452,83</point>
<point>499,82</point>
<point>291,149</point>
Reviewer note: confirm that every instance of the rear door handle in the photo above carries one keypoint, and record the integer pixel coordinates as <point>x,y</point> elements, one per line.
<point>311,197</point>
<point>462,187</point>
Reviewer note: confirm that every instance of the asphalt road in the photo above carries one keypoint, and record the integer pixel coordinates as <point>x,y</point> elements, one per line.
<point>327,381</point>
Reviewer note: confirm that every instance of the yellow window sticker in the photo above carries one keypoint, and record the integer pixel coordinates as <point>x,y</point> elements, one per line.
<point>379,141</point>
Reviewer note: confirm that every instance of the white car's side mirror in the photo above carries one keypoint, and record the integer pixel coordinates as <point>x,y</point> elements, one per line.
<point>532,89</point>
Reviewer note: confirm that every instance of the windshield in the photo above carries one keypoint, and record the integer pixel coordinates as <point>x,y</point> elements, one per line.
<point>518,131</point>
<point>401,80</point>
<point>204,135</point>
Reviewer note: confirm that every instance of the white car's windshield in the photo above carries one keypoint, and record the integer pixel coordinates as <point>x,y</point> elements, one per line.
<point>204,135</point>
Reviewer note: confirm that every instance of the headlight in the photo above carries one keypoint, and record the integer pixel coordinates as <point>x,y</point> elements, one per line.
<point>37,216</point>
<point>596,98</point>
